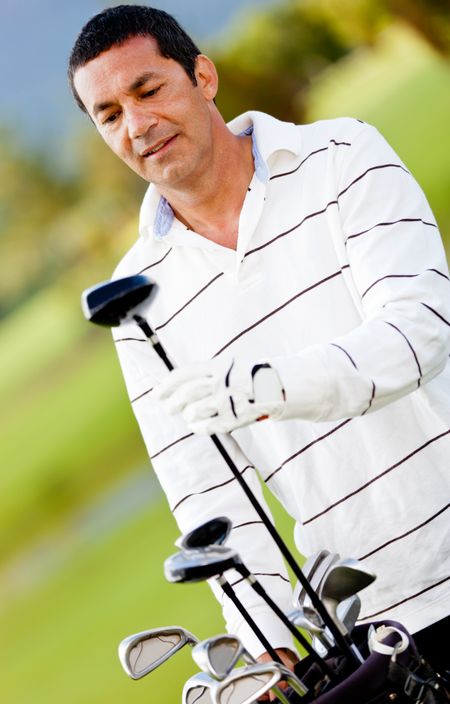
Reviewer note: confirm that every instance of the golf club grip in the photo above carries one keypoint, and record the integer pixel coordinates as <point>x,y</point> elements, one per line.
<point>344,642</point>
<point>228,590</point>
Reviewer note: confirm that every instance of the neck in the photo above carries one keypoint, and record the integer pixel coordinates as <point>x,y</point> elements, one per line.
<point>213,205</point>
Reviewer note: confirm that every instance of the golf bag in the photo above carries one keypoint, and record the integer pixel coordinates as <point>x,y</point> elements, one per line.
<point>398,674</point>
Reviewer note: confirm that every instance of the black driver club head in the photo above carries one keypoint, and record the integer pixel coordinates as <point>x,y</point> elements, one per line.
<point>200,564</point>
<point>213,532</point>
<point>111,302</point>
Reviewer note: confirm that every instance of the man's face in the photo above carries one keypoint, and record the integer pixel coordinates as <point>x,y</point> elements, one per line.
<point>148,111</point>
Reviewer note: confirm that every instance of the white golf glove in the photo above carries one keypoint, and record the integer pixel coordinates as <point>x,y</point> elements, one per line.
<point>218,396</point>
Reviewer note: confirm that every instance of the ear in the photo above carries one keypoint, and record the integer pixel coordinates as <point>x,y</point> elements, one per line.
<point>206,75</point>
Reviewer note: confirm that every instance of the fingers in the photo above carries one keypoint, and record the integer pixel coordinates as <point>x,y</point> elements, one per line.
<point>177,378</point>
<point>190,396</point>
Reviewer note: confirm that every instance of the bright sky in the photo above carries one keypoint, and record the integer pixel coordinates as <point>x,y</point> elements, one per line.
<point>36,37</point>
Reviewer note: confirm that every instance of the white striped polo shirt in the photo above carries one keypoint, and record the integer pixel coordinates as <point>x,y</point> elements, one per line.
<point>340,279</point>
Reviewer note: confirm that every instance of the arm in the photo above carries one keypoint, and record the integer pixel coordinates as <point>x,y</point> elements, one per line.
<point>199,486</point>
<point>397,270</point>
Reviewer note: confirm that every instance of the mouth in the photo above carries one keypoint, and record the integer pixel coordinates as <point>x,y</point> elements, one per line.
<point>158,148</point>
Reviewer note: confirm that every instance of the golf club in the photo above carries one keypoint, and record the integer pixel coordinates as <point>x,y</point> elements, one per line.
<point>309,620</point>
<point>218,655</point>
<point>197,689</point>
<point>201,564</point>
<point>247,684</point>
<point>213,532</point>
<point>228,590</point>
<point>347,612</point>
<point>317,577</point>
<point>308,569</point>
<point>143,652</point>
<point>195,565</point>
<point>343,579</point>
<point>111,303</point>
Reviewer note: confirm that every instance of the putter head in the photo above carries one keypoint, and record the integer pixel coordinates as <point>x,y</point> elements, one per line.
<point>143,652</point>
<point>345,578</point>
<point>247,684</point>
<point>197,689</point>
<point>213,532</point>
<point>218,655</point>
<point>109,303</point>
<point>200,564</point>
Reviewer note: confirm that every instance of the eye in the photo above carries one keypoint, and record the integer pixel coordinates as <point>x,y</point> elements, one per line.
<point>150,93</point>
<point>110,118</point>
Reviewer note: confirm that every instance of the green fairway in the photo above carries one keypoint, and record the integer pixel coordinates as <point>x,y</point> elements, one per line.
<point>67,628</point>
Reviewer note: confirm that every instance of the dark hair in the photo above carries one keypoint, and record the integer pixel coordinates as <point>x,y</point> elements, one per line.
<point>115,25</point>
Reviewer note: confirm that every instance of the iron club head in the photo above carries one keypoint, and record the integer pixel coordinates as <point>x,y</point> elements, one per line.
<point>198,689</point>
<point>143,652</point>
<point>218,655</point>
<point>345,578</point>
<point>247,684</point>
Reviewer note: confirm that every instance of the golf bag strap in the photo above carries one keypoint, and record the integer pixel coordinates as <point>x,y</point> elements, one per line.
<point>418,681</point>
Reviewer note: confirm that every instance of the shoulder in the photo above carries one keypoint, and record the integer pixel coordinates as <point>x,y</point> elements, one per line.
<point>337,130</point>
<point>129,264</point>
<point>141,256</point>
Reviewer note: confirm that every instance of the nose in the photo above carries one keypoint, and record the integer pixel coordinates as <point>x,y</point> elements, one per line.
<point>139,119</point>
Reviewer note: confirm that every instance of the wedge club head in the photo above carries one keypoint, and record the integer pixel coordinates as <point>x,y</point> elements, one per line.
<point>345,578</point>
<point>247,684</point>
<point>198,689</point>
<point>143,652</point>
<point>218,655</point>
<point>110,303</point>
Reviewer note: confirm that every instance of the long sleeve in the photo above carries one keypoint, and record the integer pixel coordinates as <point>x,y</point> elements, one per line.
<point>394,264</point>
<point>199,485</point>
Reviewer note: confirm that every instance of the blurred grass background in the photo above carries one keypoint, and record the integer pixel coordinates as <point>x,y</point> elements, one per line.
<point>84,528</point>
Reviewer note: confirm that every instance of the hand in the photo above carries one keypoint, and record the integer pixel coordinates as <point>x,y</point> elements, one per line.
<point>289,659</point>
<point>217,396</point>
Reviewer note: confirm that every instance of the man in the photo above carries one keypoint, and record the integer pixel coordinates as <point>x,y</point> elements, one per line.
<point>301,278</point>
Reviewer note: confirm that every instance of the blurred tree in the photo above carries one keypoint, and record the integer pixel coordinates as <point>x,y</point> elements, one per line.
<point>273,56</point>
<point>51,220</point>
<point>360,21</point>
<point>431,18</point>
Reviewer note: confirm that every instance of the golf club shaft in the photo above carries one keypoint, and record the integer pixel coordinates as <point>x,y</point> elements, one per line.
<point>228,590</point>
<point>258,588</point>
<point>344,642</point>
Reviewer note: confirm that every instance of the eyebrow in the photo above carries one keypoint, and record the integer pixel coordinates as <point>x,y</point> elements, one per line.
<point>137,83</point>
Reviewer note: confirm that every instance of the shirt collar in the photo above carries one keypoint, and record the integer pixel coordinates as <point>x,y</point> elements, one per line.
<point>269,135</point>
